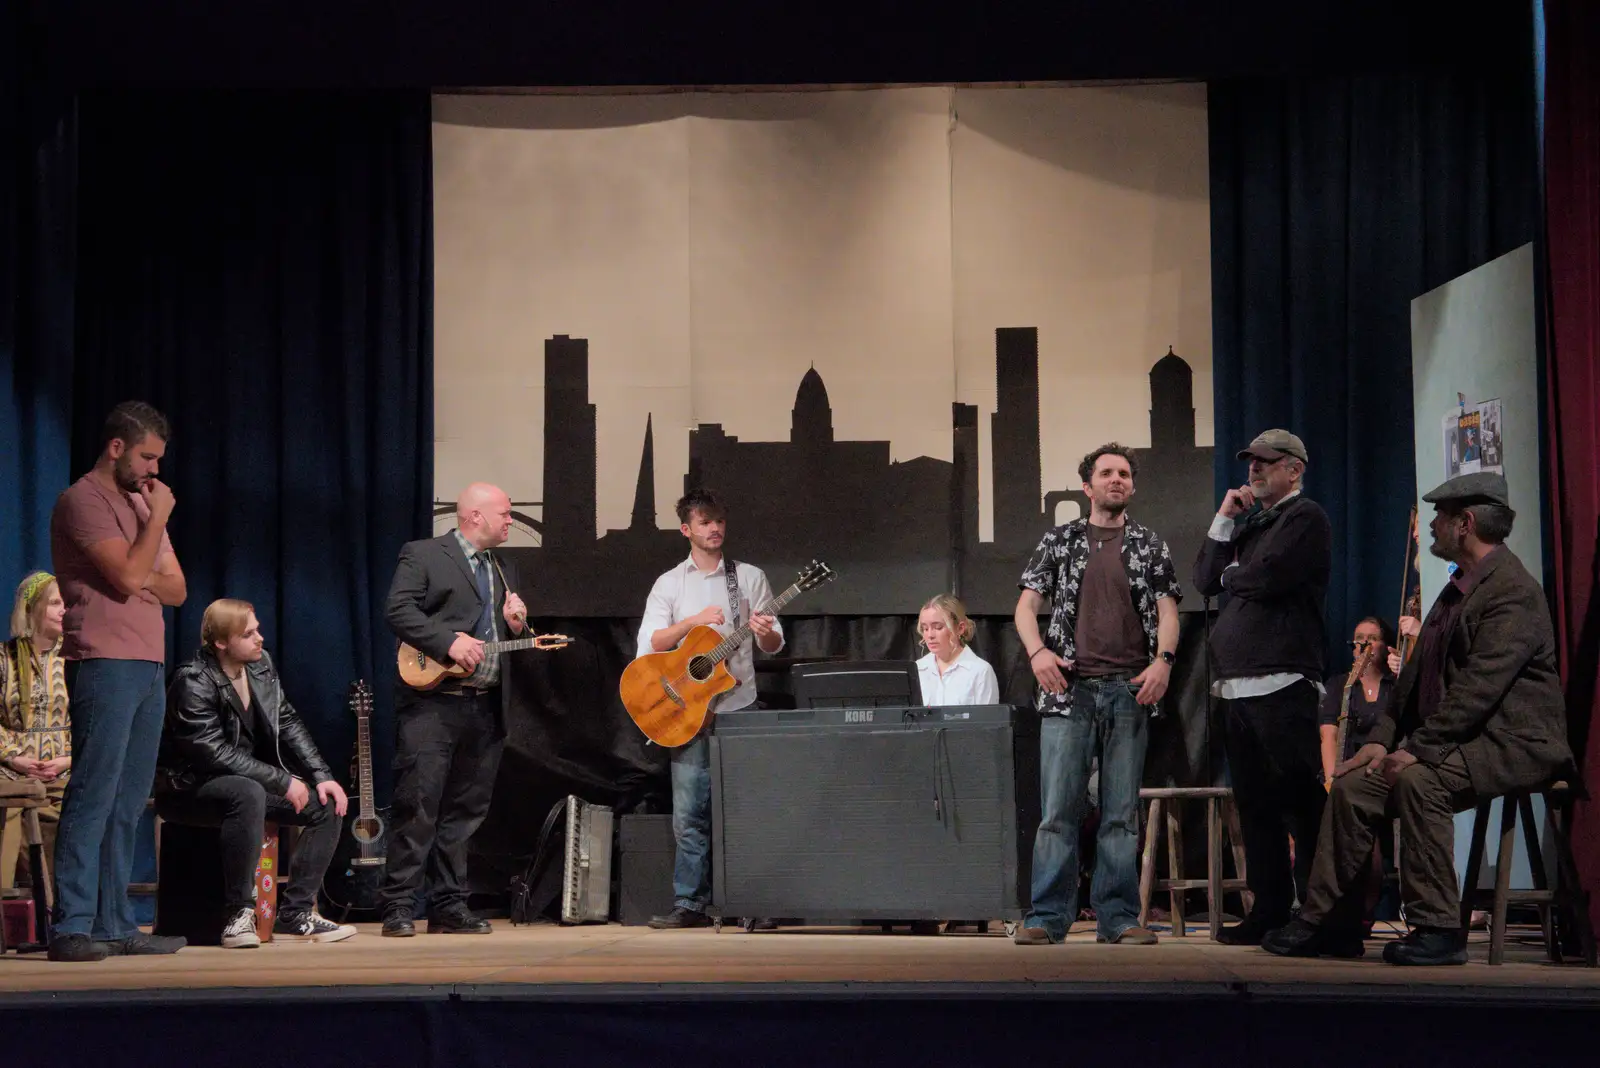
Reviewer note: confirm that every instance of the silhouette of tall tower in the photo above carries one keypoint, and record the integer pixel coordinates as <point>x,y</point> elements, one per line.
<point>1171,404</point>
<point>644,493</point>
<point>812,422</point>
<point>964,479</point>
<point>1014,436</point>
<point>569,445</point>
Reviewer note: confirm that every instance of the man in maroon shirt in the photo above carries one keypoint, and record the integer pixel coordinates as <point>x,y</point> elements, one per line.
<point>116,568</point>
<point>1478,712</point>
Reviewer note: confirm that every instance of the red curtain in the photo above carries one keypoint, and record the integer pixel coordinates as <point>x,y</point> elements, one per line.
<point>1572,206</point>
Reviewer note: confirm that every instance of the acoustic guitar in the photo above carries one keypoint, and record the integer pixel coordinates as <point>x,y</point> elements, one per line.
<point>356,874</point>
<point>669,694</point>
<point>421,672</point>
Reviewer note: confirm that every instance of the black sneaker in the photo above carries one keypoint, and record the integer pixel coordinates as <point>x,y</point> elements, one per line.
<point>140,944</point>
<point>309,927</point>
<point>679,919</point>
<point>75,947</point>
<point>1297,938</point>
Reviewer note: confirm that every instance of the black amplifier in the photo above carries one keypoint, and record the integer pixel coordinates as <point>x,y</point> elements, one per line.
<point>875,813</point>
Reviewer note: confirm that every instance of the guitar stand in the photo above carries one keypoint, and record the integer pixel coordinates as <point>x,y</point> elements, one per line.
<point>748,923</point>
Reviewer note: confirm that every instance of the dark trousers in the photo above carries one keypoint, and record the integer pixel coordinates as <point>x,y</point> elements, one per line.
<point>238,807</point>
<point>1276,768</point>
<point>1425,800</point>
<point>447,751</point>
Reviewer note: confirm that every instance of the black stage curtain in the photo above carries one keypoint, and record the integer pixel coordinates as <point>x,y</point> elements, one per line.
<point>259,267</point>
<point>1334,202</point>
<point>569,734</point>
<point>38,174</point>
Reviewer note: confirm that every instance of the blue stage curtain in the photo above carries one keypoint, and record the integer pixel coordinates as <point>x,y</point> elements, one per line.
<point>1333,203</point>
<point>259,267</point>
<point>38,164</point>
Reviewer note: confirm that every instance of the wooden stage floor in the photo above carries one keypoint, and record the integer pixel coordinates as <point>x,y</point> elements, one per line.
<point>601,962</point>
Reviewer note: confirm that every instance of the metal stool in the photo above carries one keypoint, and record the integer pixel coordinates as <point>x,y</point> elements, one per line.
<point>29,795</point>
<point>1219,808</point>
<point>1568,898</point>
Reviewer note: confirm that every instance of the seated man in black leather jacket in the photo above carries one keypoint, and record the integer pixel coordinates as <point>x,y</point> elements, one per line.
<point>234,752</point>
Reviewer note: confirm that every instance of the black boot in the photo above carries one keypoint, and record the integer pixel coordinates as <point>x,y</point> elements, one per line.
<point>1298,938</point>
<point>1428,947</point>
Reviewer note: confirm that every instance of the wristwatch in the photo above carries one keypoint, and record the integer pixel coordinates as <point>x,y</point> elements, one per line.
<point>1169,658</point>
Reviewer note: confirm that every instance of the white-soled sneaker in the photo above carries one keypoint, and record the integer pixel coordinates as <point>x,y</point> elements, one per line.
<point>240,933</point>
<point>310,927</point>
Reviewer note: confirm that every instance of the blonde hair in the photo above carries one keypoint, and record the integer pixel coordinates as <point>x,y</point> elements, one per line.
<point>955,617</point>
<point>32,593</point>
<point>225,618</point>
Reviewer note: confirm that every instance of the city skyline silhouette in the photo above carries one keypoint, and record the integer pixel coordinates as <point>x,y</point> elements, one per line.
<point>897,531</point>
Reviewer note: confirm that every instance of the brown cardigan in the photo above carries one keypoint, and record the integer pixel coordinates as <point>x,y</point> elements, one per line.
<point>1502,704</point>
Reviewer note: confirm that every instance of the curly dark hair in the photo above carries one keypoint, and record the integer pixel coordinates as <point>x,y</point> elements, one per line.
<point>707,502</point>
<point>1110,448</point>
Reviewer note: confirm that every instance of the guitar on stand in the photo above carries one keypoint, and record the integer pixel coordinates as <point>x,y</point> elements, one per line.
<point>356,873</point>
<point>669,694</point>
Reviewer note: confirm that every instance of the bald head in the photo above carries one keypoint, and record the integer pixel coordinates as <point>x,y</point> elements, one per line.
<point>483,515</point>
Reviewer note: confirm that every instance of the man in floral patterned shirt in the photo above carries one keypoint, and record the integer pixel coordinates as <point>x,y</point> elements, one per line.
<point>1102,666</point>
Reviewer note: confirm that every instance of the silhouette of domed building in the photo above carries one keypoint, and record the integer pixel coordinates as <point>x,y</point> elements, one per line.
<point>813,494</point>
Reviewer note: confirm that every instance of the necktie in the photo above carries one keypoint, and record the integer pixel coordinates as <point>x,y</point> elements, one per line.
<point>480,564</point>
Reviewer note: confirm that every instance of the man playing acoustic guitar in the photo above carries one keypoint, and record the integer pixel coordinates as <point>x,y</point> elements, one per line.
<point>701,591</point>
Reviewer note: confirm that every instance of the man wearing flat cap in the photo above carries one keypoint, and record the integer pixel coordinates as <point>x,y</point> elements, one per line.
<point>1268,555</point>
<point>1480,711</point>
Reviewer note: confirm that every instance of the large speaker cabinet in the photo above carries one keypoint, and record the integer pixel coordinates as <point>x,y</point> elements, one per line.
<point>875,813</point>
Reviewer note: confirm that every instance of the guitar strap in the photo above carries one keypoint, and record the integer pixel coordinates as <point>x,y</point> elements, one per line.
<point>730,571</point>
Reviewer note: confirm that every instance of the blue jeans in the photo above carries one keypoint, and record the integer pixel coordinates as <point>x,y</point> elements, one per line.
<point>1105,721</point>
<point>691,824</point>
<point>117,710</point>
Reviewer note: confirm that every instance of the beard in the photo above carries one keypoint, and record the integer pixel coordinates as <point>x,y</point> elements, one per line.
<point>127,481</point>
<point>1110,507</point>
<point>1445,547</point>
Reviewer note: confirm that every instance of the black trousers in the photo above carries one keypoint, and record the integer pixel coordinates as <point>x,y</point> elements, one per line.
<point>447,751</point>
<point>238,806</point>
<point>1276,767</point>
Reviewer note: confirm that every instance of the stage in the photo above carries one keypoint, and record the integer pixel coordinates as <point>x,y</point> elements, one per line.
<point>631,995</point>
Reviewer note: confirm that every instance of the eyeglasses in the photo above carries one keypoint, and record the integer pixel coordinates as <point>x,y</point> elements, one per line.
<point>1359,644</point>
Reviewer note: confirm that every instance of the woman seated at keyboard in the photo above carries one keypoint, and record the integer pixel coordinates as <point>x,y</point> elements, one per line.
<point>951,673</point>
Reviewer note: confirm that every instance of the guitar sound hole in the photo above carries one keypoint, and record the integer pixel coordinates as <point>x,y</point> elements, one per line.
<point>700,668</point>
<point>366,830</point>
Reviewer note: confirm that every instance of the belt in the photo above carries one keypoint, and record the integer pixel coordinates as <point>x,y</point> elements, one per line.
<point>466,691</point>
<point>1115,676</point>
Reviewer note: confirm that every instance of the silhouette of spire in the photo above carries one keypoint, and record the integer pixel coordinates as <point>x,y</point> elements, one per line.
<point>813,415</point>
<point>644,493</point>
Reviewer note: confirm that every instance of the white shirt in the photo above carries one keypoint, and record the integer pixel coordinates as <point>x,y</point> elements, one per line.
<point>1254,685</point>
<point>968,681</point>
<point>686,590</point>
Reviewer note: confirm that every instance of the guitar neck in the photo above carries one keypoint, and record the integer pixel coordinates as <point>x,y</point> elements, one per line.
<point>510,645</point>
<point>364,760</point>
<point>735,639</point>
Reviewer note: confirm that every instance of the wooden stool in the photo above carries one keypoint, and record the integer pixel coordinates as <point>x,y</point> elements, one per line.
<point>1569,898</point>
<point>1219,807</point>
<point>29,795</point>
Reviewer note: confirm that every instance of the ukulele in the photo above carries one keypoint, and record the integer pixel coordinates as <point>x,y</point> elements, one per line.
<point>669,694</point>
<point>420,671</point>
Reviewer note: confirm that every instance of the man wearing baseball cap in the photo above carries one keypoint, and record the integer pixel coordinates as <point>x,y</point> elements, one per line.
<point>1268,554</point>
<point>1481,713</point>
